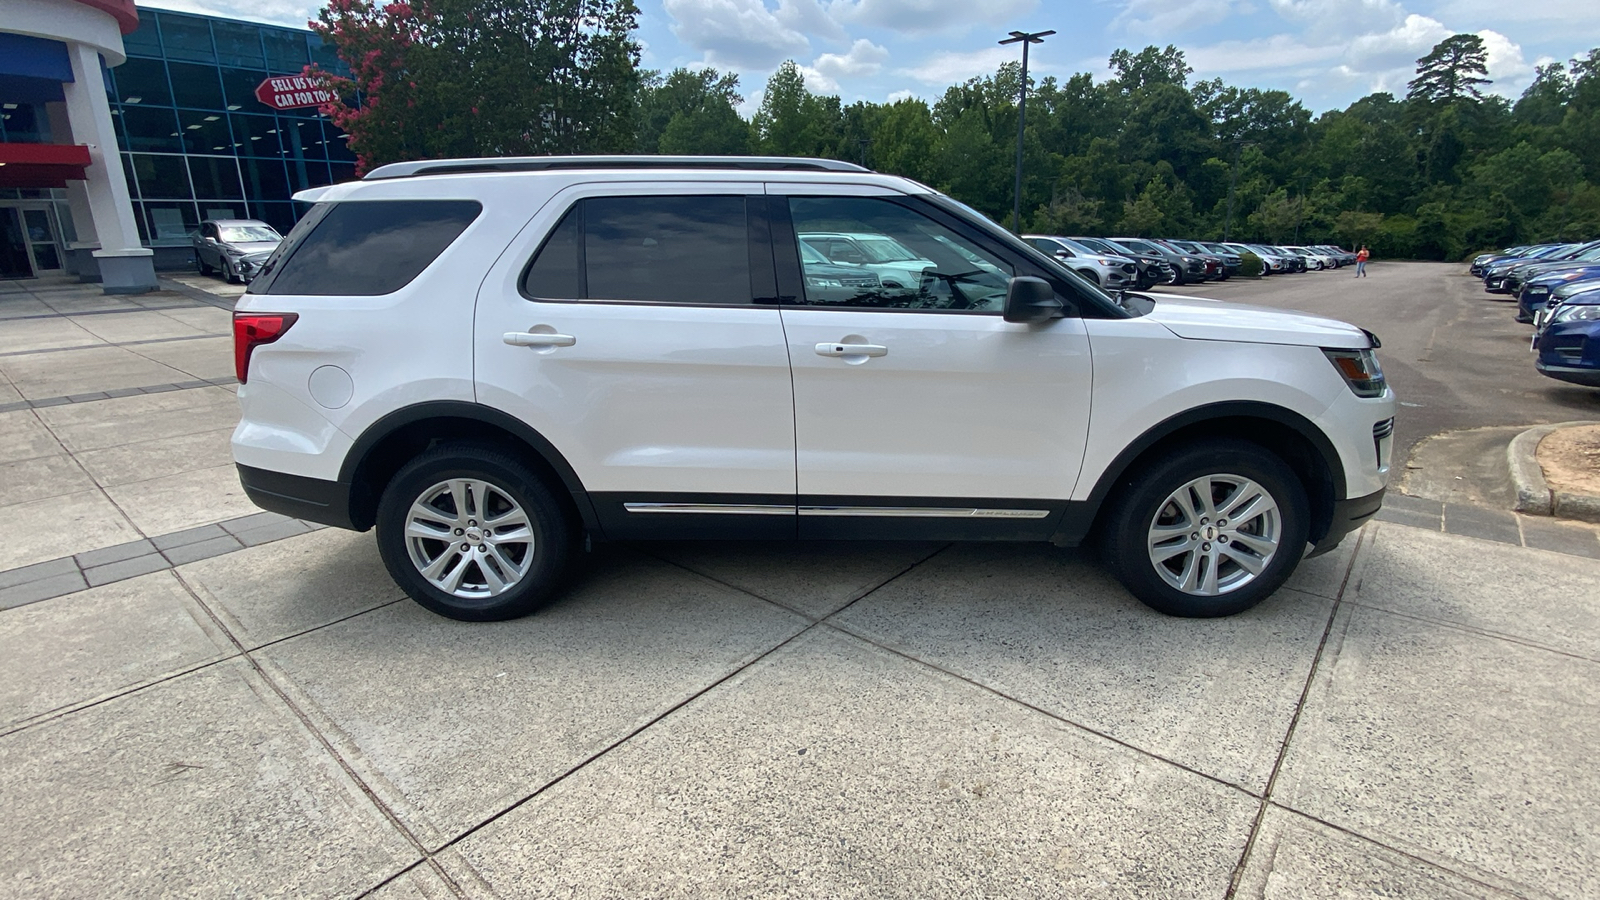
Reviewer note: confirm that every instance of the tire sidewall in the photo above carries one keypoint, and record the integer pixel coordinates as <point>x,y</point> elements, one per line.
<point>551,532</point>
<point>1125,549</point>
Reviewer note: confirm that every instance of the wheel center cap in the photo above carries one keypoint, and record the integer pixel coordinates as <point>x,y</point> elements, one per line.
<point>474,535</point>
<point>1211,532</point>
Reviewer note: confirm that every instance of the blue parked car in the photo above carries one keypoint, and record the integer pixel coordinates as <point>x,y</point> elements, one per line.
<point>1569,344</point>
<point>1537,292</point>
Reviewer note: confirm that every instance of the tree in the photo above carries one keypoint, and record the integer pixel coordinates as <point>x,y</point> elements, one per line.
<point>692,112</point>
<point>1149,66</point>
<point>1277,215</point>
<point>482,77</point>
<point>1452,71</point>
<point>1356,227</point>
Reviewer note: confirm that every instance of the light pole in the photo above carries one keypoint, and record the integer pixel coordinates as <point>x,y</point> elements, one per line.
<point>1023,38</point>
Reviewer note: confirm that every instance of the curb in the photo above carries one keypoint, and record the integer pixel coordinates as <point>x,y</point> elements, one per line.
<point>1534,496</point>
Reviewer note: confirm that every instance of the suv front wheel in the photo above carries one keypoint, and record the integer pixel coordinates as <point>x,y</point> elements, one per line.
<point>471,533</point>
<point>1209,530</point>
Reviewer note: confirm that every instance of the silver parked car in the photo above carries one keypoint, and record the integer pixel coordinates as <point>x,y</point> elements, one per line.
<point>1112,273</point>
<point>235,248</point>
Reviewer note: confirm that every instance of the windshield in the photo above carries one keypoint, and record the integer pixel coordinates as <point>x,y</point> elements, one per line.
<point>1098,246</point>
<point>248,234</point>
<point>809,254</point>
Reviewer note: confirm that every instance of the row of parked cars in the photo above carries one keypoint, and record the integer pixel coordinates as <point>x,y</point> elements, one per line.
<point>1557,289</point>
<point>1125,263</point>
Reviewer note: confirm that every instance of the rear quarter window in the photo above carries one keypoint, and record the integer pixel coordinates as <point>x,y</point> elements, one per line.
<point>365,248</point>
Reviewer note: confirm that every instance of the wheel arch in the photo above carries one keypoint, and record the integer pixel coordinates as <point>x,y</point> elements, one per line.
<point>390,442</point>
<point>1292,437</point>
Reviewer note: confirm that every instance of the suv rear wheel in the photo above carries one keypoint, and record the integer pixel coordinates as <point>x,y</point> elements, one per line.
<point>473,534</point>
<point>1210,530</point>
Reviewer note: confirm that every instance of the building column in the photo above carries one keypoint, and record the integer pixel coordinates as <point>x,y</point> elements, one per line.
<point>126,266</point>
<point>80,259</point>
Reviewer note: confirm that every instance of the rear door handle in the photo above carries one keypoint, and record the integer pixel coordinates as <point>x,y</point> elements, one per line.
<point>852,350</point>
<point>534,339</point>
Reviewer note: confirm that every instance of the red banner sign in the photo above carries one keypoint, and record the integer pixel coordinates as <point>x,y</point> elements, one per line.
<point>292,92</point>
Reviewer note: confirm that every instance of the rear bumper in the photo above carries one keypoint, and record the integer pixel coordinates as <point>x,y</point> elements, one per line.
<point>1348,515</point>
<point>312,499</point>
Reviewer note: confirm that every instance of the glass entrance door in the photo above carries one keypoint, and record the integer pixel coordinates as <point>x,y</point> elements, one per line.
<point>15,261</point>
<point>41,230</point>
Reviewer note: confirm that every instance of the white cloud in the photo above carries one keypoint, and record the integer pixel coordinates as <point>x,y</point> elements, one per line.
<point>897,96</point>
<point>1511,73</point>
<point>1280,51</point>
<point>810,18</point>
<point>1155,18</point>
<point>922,17</point>
<point>743,33</point>
<point>955,67</point>
<point>865,58</point>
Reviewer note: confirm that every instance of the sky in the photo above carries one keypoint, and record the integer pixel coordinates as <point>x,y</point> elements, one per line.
<point>1327,53</point>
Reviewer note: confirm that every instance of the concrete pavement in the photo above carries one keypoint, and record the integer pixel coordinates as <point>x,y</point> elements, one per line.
<point>1412,716</point>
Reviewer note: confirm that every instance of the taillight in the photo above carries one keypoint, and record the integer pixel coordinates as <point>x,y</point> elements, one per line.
<point>251,330</point>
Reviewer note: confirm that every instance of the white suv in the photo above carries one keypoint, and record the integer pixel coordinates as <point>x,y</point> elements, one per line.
<point>495,362</point>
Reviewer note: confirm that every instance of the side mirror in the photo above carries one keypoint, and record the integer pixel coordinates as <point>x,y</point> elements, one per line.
<point>1030,299</point>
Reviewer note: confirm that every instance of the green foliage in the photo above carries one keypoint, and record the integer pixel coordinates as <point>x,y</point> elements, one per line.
<point>1452,70</point>
<point>1250,265</point>
<point>1144,152</point>
<point>483,77</point>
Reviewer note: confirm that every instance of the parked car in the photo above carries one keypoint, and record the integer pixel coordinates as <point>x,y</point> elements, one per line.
<point>1232,261</point>
<point>1568,342</point>
<point>829,282</point>
<point>1112,273</point>
<point>1182,268</point>
<point>498,362</point>
<point>1217,266</point>
<point>236,248</point>
<point>1153,268</point>
<point>1538,291</point>
<point>1518,275</point>
<point>1482,260</point>
<point>1274,260</point>
<point>895,266</point>
<point>1494,274</point>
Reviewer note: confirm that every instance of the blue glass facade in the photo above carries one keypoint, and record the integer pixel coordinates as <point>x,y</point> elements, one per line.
<point>196,142</point>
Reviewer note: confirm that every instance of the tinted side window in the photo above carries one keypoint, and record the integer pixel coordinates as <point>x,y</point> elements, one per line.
<point>555,273</point>
<point>366,248</point>
<point>647,249</point>
<point>873,253</point>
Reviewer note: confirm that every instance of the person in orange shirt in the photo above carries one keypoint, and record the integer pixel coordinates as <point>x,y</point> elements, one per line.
<point>1361,262</point>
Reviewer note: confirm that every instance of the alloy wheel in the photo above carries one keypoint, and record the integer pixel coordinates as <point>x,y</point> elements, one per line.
<point>469,538</point>
<point>1214,534</point>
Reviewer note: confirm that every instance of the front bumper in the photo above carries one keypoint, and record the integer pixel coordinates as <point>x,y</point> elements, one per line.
<point>1348,515</point>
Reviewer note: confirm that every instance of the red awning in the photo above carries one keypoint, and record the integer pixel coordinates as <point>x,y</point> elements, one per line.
<point>41,165</point>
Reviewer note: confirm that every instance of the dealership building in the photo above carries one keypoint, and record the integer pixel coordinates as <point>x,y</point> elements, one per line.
<point>122,128</point>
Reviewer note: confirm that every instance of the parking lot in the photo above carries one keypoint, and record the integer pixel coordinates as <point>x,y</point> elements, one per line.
<point>197,699</point>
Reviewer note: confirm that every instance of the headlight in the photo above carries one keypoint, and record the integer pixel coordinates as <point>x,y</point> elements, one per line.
<point>1360,370</point>
<point>818,281</point>
<point>1586,312</point>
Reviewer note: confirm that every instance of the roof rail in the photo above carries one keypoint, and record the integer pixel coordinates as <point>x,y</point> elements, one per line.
<point>544,163</point>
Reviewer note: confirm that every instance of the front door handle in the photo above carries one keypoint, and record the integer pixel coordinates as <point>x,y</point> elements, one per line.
<point>536,339</point>
<point>852,350</point>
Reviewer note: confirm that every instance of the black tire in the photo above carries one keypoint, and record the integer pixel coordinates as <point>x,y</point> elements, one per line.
<point>228,276</point>
<point>204,269</point>
<point>1143,496</point>
<point>551,532</point>
<point>1175,277</point>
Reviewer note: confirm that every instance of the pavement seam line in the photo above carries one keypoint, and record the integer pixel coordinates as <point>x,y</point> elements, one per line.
<point>105,343</point>
<point>72,709</point>
<point>1057,717</point>
<point>604,751</point>
<point>812,625</point>
<point>1294,721</point>
<point>1432,864</point>
<point>307,723</point>
<point>1480,632</point>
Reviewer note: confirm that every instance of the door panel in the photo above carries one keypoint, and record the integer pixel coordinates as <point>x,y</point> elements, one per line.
<point>977,424</point>
<point>665,410</point>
